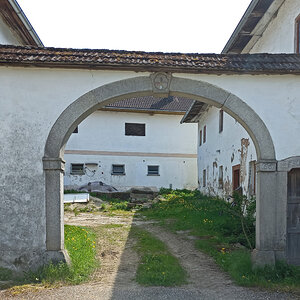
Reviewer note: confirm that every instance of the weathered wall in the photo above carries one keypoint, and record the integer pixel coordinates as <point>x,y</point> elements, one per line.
<point>7,37</point>
<point>32,99</point>
<point>274,98</point>
<point>165,138</point>
<point>279,36</point>
<point>231,147</point>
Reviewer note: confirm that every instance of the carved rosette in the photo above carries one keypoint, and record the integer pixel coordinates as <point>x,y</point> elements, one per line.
<point>161,83</point>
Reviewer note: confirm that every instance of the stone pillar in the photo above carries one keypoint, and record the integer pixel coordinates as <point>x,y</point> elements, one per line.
<point>54,171</point>
<point>266,209</point>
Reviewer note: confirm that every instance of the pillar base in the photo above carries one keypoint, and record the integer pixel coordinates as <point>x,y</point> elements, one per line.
<point>58,256</point>
<point>260,258</point>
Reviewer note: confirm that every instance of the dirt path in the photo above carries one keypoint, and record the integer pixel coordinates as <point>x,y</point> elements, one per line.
<point>115,278</point>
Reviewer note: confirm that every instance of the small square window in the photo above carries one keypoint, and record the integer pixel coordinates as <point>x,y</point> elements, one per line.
<point>135,129</point>
<point>118,170</point>
<point>153,170</point>
<point>77,169</point>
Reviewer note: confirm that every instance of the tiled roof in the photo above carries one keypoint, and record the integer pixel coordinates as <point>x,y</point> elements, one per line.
<point>150,103</point>
<point>150,61</point>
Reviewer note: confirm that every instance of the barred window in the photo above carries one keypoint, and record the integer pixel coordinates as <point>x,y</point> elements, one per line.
<point>153,170</point>
<point>118,170</point>
<point>77,169</point>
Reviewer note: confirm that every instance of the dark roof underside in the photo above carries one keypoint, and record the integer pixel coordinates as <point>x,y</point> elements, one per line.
<point>150,103</point>
<point>242,34</point>
<point>13,20</point>
<point>150,61</point>
<point>194,110</point>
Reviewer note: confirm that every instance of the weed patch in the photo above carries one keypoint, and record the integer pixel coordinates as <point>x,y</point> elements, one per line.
<point>157,266</point>
<point>80,243</point>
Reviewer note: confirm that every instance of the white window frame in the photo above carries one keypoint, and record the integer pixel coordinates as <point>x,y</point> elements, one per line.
<point>117,173</point>
<point>77,172</point>
<point>153,173</point>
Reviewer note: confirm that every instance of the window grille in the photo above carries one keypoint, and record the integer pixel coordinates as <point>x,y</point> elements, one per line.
<point>118,170</point>
<point>77,169</point>
<point>153,170</point>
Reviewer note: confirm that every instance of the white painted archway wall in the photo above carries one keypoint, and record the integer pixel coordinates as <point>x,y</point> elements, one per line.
<point>32,100</point>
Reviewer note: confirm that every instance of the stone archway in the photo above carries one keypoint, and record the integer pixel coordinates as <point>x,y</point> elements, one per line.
<point>163,84</point>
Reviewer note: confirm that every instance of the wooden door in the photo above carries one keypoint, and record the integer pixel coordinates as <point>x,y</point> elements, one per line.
<point>293,217</point>
<point>236,177</point>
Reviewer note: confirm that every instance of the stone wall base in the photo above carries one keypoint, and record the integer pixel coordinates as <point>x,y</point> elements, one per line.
<point>261,258</point>
<point>19,262</point>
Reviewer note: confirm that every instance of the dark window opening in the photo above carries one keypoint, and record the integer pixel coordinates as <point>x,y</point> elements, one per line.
<point>200,138</point>
<point>77,169</point>
<point>221,120</point>
<point>297,34</point>
<point>204,134</point>
<point>135,129</point>
<point>75,130</point>
<point>153,170</point>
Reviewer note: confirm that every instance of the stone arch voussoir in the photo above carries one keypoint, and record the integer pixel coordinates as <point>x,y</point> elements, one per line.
<point>199,90</point>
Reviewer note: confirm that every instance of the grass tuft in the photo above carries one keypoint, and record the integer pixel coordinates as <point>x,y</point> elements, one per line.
<point>80,243</point>
<point>157,266</point>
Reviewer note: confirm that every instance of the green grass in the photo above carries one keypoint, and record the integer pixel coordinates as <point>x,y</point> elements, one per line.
<point>218,228</point>
<point>157,266</point>
<point>204,216</point>
<point>80,243</point>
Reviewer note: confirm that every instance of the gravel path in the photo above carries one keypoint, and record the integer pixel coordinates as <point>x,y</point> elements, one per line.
<point>205,280</point>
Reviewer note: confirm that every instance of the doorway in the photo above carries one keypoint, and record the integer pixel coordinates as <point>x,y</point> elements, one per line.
<point>293,217</point>
<point>236,178</point>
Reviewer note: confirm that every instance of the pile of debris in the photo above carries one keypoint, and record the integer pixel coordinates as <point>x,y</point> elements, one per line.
<point>140,196</point>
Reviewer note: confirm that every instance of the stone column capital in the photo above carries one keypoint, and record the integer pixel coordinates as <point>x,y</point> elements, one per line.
<point>53,164</point>
<point>266,166</point>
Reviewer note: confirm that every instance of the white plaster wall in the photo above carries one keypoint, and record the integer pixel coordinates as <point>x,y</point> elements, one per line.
<point>105,131</point>
<point>7,37</point>
<point>279,36</point>
<point>222,149</point>
<point>179,172</point>
<point>31,100</point>
<point>274,98</point>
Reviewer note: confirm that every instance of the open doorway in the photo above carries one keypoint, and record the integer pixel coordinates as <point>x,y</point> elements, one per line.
<point>200,91</point>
